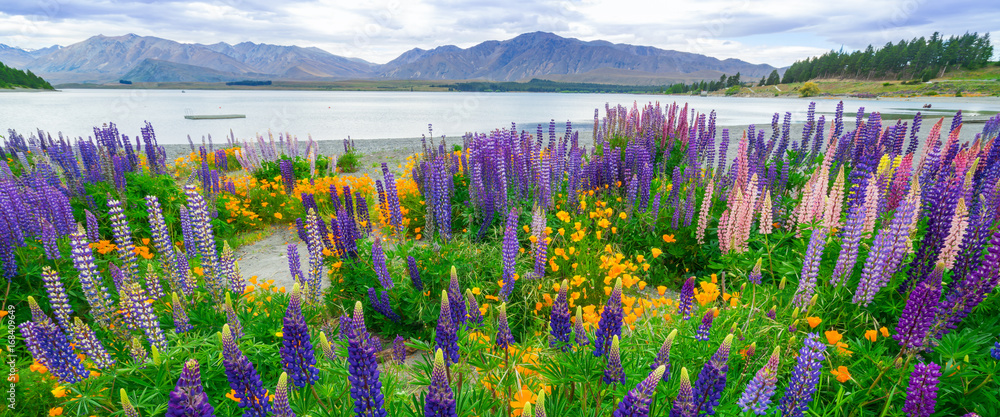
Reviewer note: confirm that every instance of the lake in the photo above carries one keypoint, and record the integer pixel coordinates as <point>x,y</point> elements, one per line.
<point>332,115</point>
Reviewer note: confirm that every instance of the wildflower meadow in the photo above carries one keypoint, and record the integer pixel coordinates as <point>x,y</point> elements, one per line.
<point>663,267</point>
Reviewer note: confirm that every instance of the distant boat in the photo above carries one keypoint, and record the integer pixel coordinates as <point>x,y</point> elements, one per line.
<point>215,116</point>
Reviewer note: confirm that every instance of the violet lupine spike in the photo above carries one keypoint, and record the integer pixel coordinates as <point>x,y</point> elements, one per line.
<point>281,408</point>
<point>918,315</point>
<point>706,325</point>
<point>559,319</point>
<point>287,175</point>
<point>49,241</point>
<point>188,399</point>
<point>379,263</point>
<point>755,273</point>
<point>243,377</point>
<point>849,247</point>
<point>810,268</point>
<point>315,246</point>
<point>610,324</point>
<point>446,333</point>
<point>613,371</point>
<point>56,352</point>
<point>636,403</point>
<point>297,356</point>
<point>93,229</point>
<point>663,355</point>
<point>887,252</point>
<point>399,349</point>
<point>760,389</point>
<point>921,395</point>
<point>88,342</point>
<point>127,406</point>
<point>686,303</point>
<point>411,265</point>
<point>510,247</point>
<point>440,401</point>
<point>579,332</point>
<point>504,337</point>
<point>232,319</point>
<point>381,303</point>
<point>57,298</point>
<point>684,403</point>
<point>456,303</point>
<point>123,238</point>
<point>162,241</point>
<point>475,316</point>
<point>182,323</point>
<point>972,290</point>
<point>712,379</point>
<point>144,316</point>
<point>805,376</point>
<point>294,264</point>
<point>392,198</point>
<point>362,369</point>
<point>153,283</point>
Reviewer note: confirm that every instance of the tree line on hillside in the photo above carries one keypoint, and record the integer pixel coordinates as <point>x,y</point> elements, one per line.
<point>13,77</point>
<point>547,86</point>
<point>919,58</point>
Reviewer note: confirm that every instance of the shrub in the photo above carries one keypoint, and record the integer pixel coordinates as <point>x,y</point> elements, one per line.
<point>349,162</point>
<point>809,89</point>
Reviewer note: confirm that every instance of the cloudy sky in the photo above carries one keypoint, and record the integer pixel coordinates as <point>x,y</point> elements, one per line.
<point>758,31</point>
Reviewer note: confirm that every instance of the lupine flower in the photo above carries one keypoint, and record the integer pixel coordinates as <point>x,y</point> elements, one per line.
<point>995,352</point>
<point>297,350</point>
<point>757,396</point>
<point>686,302</point>
<point>314,243</point>
<point>232,319</point>
<point>918,315</point>
<point>755,275</point>
<point>49,346</point>
<point>287,174</point>
<point>559,320</point>
<point>805,376</point>
<point>509,255</point>
<point>294,265</point>
<point>706,325</point>
<point>445,335</point>
<point>849,247</point>
<point>362,367</point>
<point>455,301</point>
<point>88,342</point>
<point>504,337</point>
<point>772,313</point>
<point>392,198</point>
<point>138,352</point>
<point>663,355</point>
<point>399,349</point>
<point>440,401</point>
<point>712,379</point>
<point>381,303</point>
<point>181,321</point>
<point>324,344</point>
<point>243,377</point>
<point>127,405</point>
<point>684,404</point>
<point>162,242</point>
<point>475,316</point>
<point>281,408</point>
<point>188,399</point>
<point>636,402</point>
<point>579,330</point>
<point>810,268</point>
<point>49,241</point>
<point>411,264</point>
<point>611,320</point>
<point>144,316</point>
<point>379,263</point>
<point>921,396</point>
<point>613,371</point>
<point>57,298</point>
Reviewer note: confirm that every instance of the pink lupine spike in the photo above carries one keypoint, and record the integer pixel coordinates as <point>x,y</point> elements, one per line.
<point>955,234</point>
<point>871,205</point>
<point>706,205</point>
<point>766,220</point>
<point>834,202</point>
<point>742,165</point>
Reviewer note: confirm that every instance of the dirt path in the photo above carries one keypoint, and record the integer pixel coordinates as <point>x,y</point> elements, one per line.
<point>267,259</point>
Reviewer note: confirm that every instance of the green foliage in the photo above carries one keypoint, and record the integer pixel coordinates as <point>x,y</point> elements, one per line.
<point>809,89</point>
<point>349,162</point>
<point>300,167</point>
<point>13,77</point>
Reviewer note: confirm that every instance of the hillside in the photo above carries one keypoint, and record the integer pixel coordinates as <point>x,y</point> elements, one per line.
<point>13,77</point>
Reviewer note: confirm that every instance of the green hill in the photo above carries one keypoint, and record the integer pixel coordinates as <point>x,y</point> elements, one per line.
<point>13,77</point>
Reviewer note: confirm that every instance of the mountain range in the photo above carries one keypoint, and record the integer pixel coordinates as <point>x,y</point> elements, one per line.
<point>104,59</point>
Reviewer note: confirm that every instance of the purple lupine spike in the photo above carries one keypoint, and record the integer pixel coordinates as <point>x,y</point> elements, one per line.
<point>972,290</point>
<point>706,325</point>
<point>297,350</point>
<point>411,265</point>
<point>182,323</point>
<point>123,238</point>
<point>364,218</point>
<point>559,319</point>
<point>88,342</point>
<point>805,376</point>
<point>995,352</point>
<point>144,316</point>
<point>56,352</point>
<point>921,396</point>
<point>541,242</point>
<point>455,302</point>
<point>231,270</point>
<point>127,406</point>
<point>636,403</point>
<point>93,232</point>
<point>810,268</point>
<point>57,298</point>
<point>379,263</point>
<point>510,247</point>
<point>392,198</point>
<point>153,283</point>
<point>849,247</point>
<point>686,303</point>
<point>294,265</point>
<point>204,239</point>
<point>362,368</point>
<point>93,290</point>
<point>755,274</point>
<point>399,350</point>
<point>281,408</point>
<point>188,399</point>
<point>381,303</point>
<point>918,315</point>
<point>440,401</point>
<point>162,241</point>
<point>887,252</point>
<point>49,242</point>
<point>504,336</point>
<point>760,389</point>
<point>243,377</point>
<point>475,316</point>
<point>663,355</point>
<point>445,335</point>
<point>287,175</point>
<point>712,379</point>
<point>613,371</point>
<point>610,324</point>
<point>315,245</point>
<point>684,404</point>
<point>232,320</point>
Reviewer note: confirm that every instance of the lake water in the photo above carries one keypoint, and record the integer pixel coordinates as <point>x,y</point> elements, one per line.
<point>333,115</point>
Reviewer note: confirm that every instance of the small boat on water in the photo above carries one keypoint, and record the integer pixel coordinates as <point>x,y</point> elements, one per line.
<point>215,116</point>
